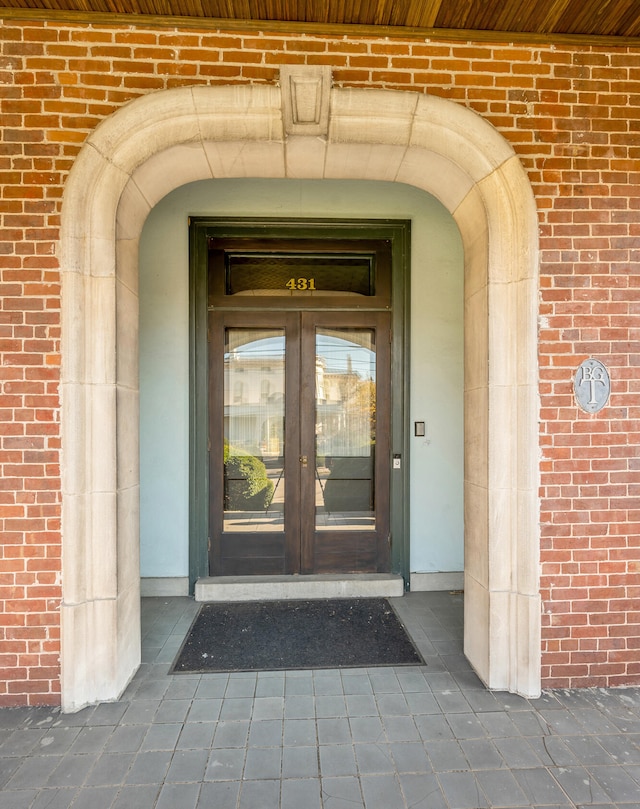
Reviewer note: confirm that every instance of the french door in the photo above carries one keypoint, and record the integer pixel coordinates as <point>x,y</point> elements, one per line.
<point>299,442</point>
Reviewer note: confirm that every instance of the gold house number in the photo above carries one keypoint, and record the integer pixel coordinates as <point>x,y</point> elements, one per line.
<point>301,284</point>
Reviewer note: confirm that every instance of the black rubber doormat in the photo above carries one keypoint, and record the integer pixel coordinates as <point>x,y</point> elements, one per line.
<point>275,635</point>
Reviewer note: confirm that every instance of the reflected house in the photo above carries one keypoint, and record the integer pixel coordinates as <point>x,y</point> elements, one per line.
<point>345,437</point>
<point>345,412</point>
<point>254,393</point>
<point>254,408</point>
<point>254,404</point>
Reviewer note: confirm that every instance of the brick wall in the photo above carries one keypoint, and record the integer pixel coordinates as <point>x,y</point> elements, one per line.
<point>571,114</point>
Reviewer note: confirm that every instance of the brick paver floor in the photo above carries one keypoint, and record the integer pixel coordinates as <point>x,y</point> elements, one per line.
<point>425,737</point>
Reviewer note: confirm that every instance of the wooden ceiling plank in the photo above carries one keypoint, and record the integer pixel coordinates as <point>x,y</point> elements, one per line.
<point>613,22</point>
<point>584,15</point>
<point>422,15</point>
<point>483,15</point>
<point>518,16</point>
<point>511,15</point>
<point>454,14</point>
<point>619,16</point>
<point>629,25</point>
<point>550,19</point>
<point>383,13</point>
<point>336,12</point>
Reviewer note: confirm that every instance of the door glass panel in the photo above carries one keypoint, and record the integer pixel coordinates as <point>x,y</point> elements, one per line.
<point>254,375</point>
<point>345,428</point>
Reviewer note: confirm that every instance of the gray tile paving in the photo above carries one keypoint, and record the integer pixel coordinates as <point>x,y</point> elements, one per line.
<point>425,737</point>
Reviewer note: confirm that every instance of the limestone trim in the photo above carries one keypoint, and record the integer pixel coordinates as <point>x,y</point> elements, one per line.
<point>163,140</point>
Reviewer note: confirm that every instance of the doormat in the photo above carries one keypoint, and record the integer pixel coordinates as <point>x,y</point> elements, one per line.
<point>276,635</point>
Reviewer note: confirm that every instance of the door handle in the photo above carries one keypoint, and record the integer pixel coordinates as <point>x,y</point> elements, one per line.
<point>304,460</point>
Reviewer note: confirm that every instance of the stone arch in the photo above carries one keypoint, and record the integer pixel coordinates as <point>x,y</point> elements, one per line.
<point>163,140</point>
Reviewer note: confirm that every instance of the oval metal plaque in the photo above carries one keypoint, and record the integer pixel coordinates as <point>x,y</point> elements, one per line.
<point>592,385</point>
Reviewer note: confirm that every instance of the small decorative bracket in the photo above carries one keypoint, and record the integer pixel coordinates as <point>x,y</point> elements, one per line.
<point>305,98</point>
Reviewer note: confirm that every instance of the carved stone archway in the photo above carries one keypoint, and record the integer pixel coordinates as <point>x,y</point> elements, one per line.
<point>166,139</point>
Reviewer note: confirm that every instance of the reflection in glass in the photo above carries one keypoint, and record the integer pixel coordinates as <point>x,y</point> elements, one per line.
<point>345,371</point>
<point>254,429</point>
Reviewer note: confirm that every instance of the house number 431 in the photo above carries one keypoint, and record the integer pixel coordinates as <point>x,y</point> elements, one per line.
<point>301,283</point>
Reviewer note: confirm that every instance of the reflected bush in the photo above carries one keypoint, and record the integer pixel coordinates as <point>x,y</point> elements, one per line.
<point>247,487</point>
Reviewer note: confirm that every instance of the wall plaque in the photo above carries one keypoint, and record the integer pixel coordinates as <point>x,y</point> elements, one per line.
<point>592,385</point>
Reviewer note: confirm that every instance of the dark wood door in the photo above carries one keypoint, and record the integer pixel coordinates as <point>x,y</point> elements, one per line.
<point>299,422</point>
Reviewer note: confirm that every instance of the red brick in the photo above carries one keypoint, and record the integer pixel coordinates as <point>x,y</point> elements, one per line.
<point>565,112</point>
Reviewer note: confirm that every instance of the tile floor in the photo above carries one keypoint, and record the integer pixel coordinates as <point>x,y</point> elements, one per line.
<point>382,738</point>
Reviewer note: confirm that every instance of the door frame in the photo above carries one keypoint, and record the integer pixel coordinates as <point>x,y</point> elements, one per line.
<point>301,546</point>
<point>201,229</point>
